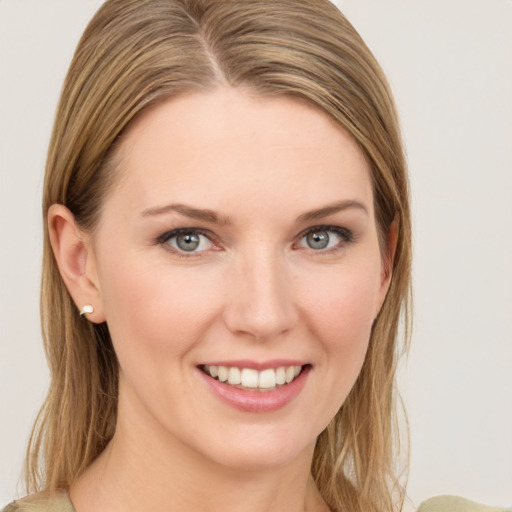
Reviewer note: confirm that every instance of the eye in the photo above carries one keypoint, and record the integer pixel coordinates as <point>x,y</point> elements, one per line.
<point>325,238</point>
<point>187,240</point>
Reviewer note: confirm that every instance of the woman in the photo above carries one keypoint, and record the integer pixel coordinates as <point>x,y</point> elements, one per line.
<point>227,261</point>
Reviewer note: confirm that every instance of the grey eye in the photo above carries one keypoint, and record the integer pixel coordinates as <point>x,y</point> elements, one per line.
<point>317,239</point>
<point>188,241</point>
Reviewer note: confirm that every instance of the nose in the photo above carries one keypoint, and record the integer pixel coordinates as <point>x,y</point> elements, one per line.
<point>261,300</point>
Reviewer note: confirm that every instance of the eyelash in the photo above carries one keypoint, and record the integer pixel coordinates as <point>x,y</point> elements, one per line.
<point>183,231</point>
<point>346,236</point>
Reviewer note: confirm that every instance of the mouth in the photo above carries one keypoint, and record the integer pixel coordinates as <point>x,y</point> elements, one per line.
<point>250,379</point>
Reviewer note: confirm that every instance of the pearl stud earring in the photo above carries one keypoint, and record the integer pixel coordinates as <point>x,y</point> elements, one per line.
<point>87,309</point>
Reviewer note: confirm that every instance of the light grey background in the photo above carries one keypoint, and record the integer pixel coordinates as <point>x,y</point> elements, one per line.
<point>450,65</point>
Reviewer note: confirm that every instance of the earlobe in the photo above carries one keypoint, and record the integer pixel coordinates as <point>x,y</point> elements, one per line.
<point>75,259</point>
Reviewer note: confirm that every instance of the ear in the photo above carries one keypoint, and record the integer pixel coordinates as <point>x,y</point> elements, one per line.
<point>75,258</point>
<point>388,259</point>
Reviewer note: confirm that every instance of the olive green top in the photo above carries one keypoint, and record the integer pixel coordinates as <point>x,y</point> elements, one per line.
<point>41,502</point>
<point>61,503</point>
<point>456,504</point>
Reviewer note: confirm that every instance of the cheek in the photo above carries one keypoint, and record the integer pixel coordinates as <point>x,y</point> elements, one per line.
<point>340,310</point>
<point>342,304</point>
<point>154,311</point>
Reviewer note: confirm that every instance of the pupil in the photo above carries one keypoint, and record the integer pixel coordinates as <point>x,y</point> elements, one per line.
<point>318,240</point>
<point>188,241</point>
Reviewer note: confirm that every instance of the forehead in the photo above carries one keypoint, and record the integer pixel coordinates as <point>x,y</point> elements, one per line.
<point>209,147</point>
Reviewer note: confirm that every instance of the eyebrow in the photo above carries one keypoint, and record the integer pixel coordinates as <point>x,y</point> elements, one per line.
<point>189,211</point>
<point>213,217</point>
<point>331,209</point>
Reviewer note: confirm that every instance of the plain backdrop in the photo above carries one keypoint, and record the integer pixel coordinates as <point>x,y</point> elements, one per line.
<point>449,63</point>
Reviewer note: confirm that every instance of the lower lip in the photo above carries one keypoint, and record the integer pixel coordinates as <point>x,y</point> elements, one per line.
<point>257,401</point>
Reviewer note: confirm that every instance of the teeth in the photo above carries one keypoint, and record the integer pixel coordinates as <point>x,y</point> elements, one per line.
<point>267,379</point>
<point>250,378</point>
<point>234,376</point>
<point>223,374</point>
<point>281,375</point>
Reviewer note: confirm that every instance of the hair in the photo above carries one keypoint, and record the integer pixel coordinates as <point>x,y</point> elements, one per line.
<point>136,53</point>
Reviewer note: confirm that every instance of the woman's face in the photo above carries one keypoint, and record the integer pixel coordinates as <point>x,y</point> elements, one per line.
<point>239,243</point>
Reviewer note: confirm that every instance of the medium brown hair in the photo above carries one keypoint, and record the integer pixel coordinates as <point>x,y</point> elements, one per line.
<point>135,53</point>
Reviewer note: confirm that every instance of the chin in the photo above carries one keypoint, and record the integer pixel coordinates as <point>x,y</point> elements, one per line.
<point>257,447</point>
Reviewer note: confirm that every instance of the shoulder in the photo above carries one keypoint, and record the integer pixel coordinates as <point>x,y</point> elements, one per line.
<point>41,502</point>
<point>456,504</point>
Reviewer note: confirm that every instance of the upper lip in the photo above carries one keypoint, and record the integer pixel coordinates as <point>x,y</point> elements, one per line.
<point>255,365</point>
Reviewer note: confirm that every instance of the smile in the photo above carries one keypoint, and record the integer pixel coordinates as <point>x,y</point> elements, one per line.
<point>251,379</point>
<point>255,388</point>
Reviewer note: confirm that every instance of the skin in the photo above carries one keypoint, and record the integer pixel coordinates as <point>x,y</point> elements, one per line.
<point>253,290</point>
